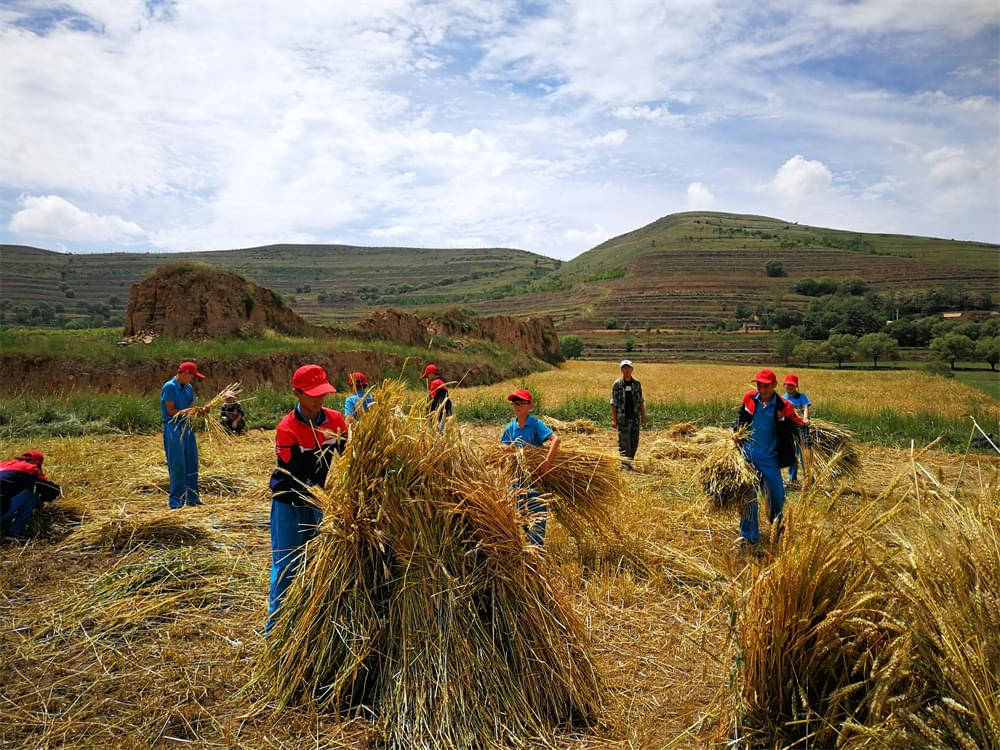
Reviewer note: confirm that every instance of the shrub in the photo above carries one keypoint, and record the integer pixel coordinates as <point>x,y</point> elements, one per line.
<point>774,268</point>
<point>570,347</point>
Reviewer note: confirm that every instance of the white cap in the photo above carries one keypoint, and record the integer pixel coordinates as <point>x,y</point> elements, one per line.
<point>625,363</point>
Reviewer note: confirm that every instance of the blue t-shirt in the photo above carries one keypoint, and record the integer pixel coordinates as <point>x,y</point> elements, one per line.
<point>535,432</point>
<point>351,404</point>
<point>182,396</point>
<point>764,434</point>
<point>799,400</point>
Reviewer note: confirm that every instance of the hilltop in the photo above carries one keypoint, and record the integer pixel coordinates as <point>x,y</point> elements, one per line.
<point>683,271</point>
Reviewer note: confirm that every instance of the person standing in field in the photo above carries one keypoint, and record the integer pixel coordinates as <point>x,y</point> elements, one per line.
<point>23,487</point>
<point>360,401</point>
<point>439,403</point>
<point>628,412</point>
<point>803,446</point>
<point>303,443</point>
<point>772,422</point>
<point>179,442</point>
<point>525,430</point>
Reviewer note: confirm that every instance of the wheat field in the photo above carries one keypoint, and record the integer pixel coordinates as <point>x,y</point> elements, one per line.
<point>125,625</point>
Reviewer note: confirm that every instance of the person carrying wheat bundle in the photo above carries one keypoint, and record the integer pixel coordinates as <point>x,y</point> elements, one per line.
<point>772,422</point>
<point>523,430</point>
<point>179,442</point>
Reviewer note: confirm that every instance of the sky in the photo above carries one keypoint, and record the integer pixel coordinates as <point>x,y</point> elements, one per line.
<point>546,126</point>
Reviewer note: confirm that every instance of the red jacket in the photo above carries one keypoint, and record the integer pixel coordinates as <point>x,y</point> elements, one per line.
<point>304,453</point>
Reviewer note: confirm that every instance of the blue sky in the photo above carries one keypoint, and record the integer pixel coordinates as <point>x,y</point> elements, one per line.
<point>548,126</point>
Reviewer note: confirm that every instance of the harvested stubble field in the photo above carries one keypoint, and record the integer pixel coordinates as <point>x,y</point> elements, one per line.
<point>148,638</point>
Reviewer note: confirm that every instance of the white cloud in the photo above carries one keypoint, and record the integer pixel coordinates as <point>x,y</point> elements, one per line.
<point>611,138</point>
<point>587,238</point>
<point>52,217</point>
<point>641,112</point>
<point>800,178</point>
<point>699,197</point>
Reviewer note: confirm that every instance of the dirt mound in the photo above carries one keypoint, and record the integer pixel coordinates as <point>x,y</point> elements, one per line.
<point>196,302</point>
<point>535,337</point>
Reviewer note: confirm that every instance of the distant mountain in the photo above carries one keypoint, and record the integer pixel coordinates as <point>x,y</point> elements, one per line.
<point>683,270</point>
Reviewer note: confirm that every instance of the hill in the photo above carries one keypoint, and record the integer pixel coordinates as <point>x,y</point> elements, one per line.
<point>686,270</point>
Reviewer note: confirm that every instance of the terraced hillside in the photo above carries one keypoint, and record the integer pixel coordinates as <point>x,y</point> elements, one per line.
<point>685,270</point>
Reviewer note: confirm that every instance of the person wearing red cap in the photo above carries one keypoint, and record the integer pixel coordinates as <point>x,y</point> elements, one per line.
<point>360,401</point>
<point>803,446</point>
<point>439,402</point>
<point>772,422</point>
<point>303,442</point>
<point>23,486</point>
<point>179,443</point>
<point>430,374</point>
<point>522,430</point>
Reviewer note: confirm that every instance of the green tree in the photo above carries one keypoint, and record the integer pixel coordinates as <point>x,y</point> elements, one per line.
<point>570,347</point>
<point>952,347</point>
<point>786,344</point>
<point>629,345</point>
<point>842,346</point>
<point>875,345</point>
<point>812,351</point>
<point>988,350</point>
<point>774,268</point>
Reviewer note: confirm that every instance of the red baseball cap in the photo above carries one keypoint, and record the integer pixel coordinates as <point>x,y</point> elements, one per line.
<point>436,385</point>
<point>311,380</point>
<point>521,394</point>
<point>430,371</point>
<point>32,457</point>
<point>792,380</point>
<point>189,367</point>
<point>358,377</point>
<point>765,377</point>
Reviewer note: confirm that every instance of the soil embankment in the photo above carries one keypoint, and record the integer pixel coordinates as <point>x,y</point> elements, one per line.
<point>61,375</point>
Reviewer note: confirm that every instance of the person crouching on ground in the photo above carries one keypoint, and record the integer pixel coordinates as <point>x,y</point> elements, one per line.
<point>438,403</point>
<point>803,446</point>
<point>179,442</point>
<point>772,422</point>
<point>360,401</point>
<point>231,415</point>
<point>303,443</point>
<point>523,430</point>
<point>23,486</point>
<point>628,413</point>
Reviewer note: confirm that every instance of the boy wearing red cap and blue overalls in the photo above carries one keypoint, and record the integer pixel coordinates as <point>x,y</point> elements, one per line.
<point>23,486</point>
<point>303,442</point>
<point>179,443</point>
<point>525,429</point>
<point>772,422</point>
<point>439,403</point>
<point>801,403</point>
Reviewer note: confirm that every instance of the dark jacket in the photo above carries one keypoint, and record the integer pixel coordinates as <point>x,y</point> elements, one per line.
<point>788,423</point>
<point>17,476</point>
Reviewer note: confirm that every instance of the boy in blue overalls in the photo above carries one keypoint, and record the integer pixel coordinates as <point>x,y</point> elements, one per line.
<point>772,422</point>
<point>303,443</point>
<point>801,403</point>
<point>179,442</point>
<point>522,430</point>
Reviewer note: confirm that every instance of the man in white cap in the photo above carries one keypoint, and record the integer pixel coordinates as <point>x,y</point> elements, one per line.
<point>628,412</point>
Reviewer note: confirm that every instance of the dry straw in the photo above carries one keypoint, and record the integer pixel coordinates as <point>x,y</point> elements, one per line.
<point>582,486</point>
<point>584,426</point>
<point>421,600</point>
<point>205,415</point>
<point>124,532</point>
<point>834,451</point>
<point>726,476</point>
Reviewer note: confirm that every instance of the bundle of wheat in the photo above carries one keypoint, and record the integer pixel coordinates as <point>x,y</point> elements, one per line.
<point>210,483</point>
<point>56,519</point>
<point>712,434</point>
<point>834,451</point>
<point>582,485</point>
<point>125,531</point>
<point>585,426</point>
<point>676,449</point>
<point>682,430</point>
<point>726,476</point>
<point>420,599</point>
<point>205,416</point>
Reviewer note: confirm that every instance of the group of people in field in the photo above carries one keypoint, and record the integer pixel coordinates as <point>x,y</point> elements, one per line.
<point>307,436</point>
